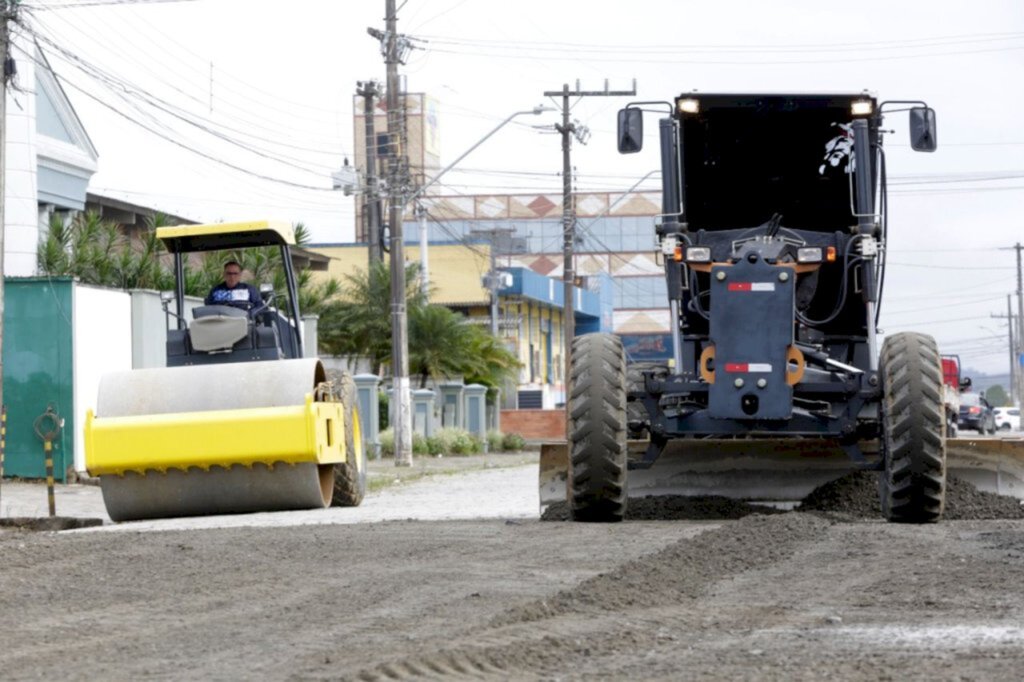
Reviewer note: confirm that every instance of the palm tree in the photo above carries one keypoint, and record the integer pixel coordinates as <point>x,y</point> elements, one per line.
<point>440,343</point>
<point>359,321</point>
<point>493,365</point>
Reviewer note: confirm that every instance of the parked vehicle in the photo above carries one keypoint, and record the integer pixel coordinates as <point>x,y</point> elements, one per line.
<point>1007,418</point>
<point>976,413</point>
<point>952,385</point>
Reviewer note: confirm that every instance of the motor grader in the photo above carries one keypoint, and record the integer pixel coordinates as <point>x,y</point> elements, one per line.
<point>238,421</point>
<point>773,235</point>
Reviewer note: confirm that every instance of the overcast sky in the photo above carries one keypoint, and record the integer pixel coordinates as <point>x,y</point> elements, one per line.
<point>284,74</point>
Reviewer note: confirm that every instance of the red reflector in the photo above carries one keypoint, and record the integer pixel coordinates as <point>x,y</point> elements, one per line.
<point>739,286</point>
<point>736,366</point>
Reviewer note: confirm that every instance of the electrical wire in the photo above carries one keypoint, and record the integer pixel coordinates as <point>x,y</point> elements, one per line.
<point>114,83</point>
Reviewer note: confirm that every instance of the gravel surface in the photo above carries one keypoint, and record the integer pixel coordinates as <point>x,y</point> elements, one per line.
<point>769,596</point>
<point>854,495</point>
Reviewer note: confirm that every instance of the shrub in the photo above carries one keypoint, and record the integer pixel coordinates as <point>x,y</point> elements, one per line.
<point>459,441</point>
<point>419,445</point>
<point>513,442</point>
<point>387,443</point>
<point>435,446</point>
<point>495,441</point>
<point>446,441</point>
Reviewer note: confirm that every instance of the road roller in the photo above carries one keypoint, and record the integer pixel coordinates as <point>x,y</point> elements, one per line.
<point>238,421</point>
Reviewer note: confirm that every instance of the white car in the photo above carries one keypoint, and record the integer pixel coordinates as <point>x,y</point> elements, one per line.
<point>1007,418</point>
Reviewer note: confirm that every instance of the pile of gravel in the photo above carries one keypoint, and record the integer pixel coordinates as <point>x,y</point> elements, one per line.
<point>674,508</point>
<point>854,495</point>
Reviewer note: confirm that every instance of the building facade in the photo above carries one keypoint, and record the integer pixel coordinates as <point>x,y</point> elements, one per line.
<point>615,231</point>
<point>530,309</point>
<point>49,158</point>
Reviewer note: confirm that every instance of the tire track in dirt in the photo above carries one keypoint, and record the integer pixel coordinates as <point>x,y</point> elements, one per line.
<point>631,608</point>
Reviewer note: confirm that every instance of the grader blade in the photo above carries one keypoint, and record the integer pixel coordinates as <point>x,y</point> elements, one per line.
<point>781,471</point>
<point>994,465</point>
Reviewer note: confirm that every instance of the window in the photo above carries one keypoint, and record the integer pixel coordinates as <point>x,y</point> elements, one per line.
<point>640,292</point>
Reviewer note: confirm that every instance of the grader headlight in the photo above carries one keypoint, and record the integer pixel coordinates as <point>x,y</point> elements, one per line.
<point>698,254</point>
<point>808,254</point>
<point>689,106</point>
<point>861,107</point>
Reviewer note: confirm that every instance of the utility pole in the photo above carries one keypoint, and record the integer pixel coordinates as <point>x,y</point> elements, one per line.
<point>8,13</point>
<point>567,129</point>
<point>369,91</point>
<point>1009,317</point>
<point>1014,370</point>
<point>401,413</point>
<point>421,215</point>
<point>1020,328</point>
<point>1019,348</point>
<point>492,280</point>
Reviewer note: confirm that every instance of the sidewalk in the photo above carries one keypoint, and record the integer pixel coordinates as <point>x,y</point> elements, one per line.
<point>424,490</point>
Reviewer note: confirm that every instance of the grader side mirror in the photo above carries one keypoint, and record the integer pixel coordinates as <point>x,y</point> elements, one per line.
<point>923,134</point>
<point>631,130</point>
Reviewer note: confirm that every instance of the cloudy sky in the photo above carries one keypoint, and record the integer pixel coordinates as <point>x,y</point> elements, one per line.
<point>234,109</point>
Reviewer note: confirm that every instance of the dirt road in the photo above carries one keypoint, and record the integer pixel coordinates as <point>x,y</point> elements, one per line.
<point>800,595</point>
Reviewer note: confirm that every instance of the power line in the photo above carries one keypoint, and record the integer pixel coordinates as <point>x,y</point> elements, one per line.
<point>903,43</point>
<point>133,90</point>
<point>239,112</point>
<point>97,3</point>
<point>198,152</point>
<point>753,61</point>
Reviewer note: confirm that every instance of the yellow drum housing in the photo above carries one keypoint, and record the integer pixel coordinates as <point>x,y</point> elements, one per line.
<point>214,439</point>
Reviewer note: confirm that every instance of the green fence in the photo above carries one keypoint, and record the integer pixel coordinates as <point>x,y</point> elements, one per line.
<point>38,372</point>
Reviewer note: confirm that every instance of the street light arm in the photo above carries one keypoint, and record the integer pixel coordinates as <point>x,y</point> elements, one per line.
<point>535,111</point>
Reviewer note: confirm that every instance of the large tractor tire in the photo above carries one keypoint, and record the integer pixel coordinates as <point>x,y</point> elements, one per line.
<point>913,485</point>
<point>597,429</point>
<point>350,475</point>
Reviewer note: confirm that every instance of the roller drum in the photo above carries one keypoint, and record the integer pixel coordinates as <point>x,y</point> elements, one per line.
<point>213,489</point>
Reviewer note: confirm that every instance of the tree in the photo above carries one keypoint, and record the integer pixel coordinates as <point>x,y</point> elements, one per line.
<point>98,252</point>
<point>494,364</point>
<point>358,322</point>
<point>996,396</point>
<point>440,343</point>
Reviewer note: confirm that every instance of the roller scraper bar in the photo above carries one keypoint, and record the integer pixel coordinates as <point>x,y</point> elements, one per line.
<point>267,435</point>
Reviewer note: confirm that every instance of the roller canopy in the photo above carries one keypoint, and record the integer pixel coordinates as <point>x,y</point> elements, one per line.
<point>222,236</point>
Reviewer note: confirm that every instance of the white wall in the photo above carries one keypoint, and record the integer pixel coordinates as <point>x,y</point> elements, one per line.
<point>21,212</point>
<point>102,323</point>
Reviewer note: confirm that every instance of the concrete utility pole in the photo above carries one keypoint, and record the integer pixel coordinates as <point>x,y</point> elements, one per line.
<point>369,91</point>
<point>8,12</point>
<point>1019,348</point>
<point>401,410</point>
<point>1014,370</point>
<point>567,129</point>
<point>1020,327</point>
<point>421,215</point>
<point>1009,317</point>
<point>493,281</point>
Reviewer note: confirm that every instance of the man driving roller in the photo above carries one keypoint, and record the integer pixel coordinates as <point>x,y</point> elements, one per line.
<point>233,291</point>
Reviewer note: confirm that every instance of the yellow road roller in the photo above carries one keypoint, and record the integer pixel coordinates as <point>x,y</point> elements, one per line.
<point>238,421</point>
